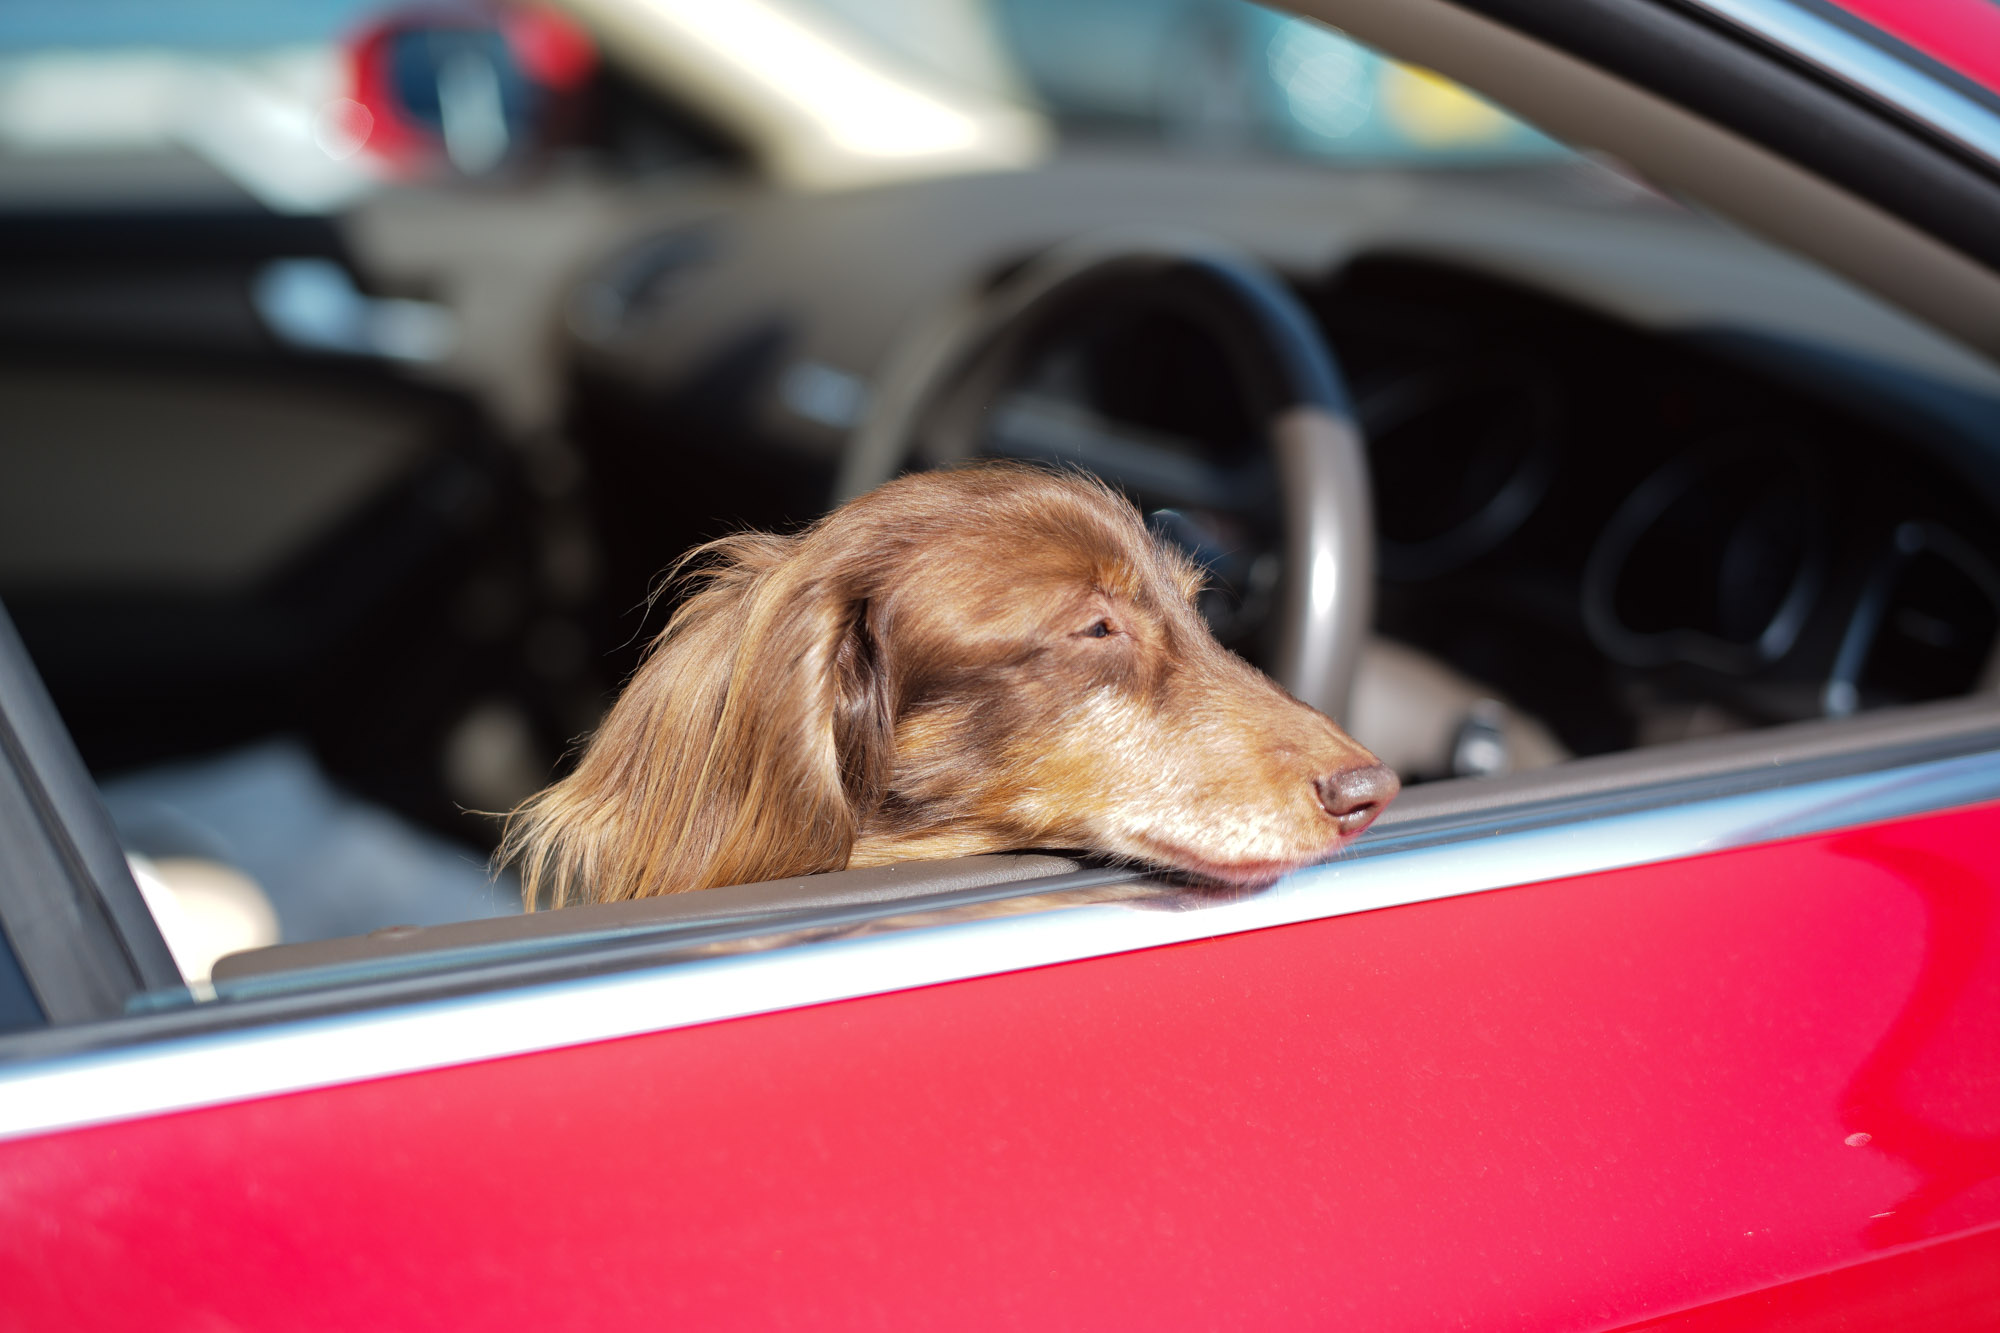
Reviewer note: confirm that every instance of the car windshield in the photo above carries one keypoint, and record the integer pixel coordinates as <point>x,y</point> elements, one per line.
<point>1214,75</point>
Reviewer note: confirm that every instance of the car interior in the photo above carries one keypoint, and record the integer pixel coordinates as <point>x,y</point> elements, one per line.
<point>331,529</point>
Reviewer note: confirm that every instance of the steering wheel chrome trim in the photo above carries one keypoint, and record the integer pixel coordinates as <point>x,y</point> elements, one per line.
<point>1327,601</point>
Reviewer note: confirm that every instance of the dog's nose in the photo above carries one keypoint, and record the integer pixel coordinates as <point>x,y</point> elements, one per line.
<point>1355,796</point>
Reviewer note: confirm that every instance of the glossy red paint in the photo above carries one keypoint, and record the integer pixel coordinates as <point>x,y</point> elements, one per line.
<point>1963,34</point>
<point>1760,1083</point>
<point>1946,1284</point>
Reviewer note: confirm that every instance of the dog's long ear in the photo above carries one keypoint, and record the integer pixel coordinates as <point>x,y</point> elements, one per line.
<point>748,746</point>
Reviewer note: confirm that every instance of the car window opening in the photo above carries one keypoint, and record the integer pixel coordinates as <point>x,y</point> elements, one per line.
<point>345,455</point>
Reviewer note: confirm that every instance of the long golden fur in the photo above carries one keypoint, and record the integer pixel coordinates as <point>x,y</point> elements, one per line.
<point>968,661</point>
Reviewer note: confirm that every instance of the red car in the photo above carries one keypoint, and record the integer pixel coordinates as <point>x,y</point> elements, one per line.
<point>1666,995</point>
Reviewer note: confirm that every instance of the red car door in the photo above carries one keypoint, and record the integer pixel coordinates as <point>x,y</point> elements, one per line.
<point>1704,1037</point>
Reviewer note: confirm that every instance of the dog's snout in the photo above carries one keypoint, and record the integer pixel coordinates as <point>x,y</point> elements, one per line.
<point>1355,796</point>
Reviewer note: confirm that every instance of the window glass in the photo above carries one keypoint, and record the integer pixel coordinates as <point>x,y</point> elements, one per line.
<point>1215,75</point>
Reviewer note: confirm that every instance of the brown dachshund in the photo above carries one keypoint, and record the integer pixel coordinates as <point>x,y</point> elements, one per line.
<point>970,661</point>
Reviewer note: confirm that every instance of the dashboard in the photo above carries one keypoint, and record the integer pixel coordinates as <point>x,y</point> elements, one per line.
<point>1640,539</point>
<point>1635,477</point>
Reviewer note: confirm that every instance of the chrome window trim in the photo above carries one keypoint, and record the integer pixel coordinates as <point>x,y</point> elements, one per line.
<point>1854,61</point>
<point>1423,862</point>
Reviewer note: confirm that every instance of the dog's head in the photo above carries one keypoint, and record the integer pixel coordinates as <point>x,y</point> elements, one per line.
<point>959,662</point>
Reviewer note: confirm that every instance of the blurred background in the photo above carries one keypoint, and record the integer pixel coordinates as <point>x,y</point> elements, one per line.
<point>307,106</point>
<point>363,365</point>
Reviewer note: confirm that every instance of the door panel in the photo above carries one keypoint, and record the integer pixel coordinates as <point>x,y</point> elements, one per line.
<point>1577,1105</point>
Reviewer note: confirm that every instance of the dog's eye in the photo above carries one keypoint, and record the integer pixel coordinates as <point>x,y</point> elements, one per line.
<point>1101,630</point>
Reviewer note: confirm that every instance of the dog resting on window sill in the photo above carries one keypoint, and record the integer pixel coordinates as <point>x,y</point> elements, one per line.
<point>969,661</point>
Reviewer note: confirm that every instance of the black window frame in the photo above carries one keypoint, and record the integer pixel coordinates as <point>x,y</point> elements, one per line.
<point>78,938</point>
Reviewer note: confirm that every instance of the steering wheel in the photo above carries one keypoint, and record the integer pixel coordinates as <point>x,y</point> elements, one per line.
<point>1282,519</point>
